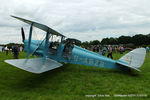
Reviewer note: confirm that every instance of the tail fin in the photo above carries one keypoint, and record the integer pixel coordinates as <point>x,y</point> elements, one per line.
<point>133,59</point>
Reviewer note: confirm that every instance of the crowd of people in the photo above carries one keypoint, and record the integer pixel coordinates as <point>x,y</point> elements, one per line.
<point>109,48</point>
<point>15,49</point>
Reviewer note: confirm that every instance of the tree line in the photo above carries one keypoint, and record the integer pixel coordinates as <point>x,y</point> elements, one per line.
<point>137,40</point>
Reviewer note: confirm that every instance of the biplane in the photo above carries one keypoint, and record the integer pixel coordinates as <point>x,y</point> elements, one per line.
<point>66,51</point>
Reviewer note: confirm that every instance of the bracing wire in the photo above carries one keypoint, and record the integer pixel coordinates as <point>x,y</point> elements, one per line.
<point>41,36</point>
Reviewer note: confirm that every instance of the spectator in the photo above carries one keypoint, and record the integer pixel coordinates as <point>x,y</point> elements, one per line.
<point>97,49</point>
<point>147,49</point>
<point>103,51</point>
<point>6,49</point>
<point>15,51</point>
<point>121,49</point>
<point>21,49</point>
<point>3,49</point>
<point>109,52</point>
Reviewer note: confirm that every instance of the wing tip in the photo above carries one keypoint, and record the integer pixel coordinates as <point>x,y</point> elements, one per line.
<point>13,16</point>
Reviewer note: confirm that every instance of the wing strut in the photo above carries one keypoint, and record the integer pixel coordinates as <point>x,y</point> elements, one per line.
<point>46,47</point>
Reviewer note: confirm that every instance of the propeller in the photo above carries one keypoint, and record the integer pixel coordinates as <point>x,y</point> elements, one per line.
<point>22,33</point>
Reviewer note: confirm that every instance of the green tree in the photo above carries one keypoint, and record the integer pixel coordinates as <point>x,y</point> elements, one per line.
<point>140,39</point>
<point>124,39</point>
<point>85,44</point>
<point>95,42</point>
<point>105,41</point>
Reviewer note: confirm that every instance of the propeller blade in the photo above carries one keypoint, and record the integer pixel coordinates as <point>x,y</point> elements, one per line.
<point>22,33</point>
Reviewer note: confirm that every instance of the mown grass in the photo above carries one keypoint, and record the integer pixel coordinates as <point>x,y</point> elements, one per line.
<point>72,82</point>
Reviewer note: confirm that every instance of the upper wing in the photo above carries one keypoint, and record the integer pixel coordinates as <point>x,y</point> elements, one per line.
<point>40,26</point>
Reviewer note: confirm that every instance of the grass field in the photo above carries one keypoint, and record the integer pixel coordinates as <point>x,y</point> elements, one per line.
<point>72,82</point>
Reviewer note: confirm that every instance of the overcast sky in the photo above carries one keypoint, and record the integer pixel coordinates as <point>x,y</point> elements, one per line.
<point>81,19</point>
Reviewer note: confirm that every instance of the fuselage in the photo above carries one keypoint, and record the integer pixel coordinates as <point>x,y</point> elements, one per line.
<point>77,55</point>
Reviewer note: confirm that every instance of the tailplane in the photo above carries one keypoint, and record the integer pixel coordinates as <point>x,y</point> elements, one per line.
<point>133,59</point>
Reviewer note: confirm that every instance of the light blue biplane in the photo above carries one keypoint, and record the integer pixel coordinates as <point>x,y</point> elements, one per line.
<point>66,52</point>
